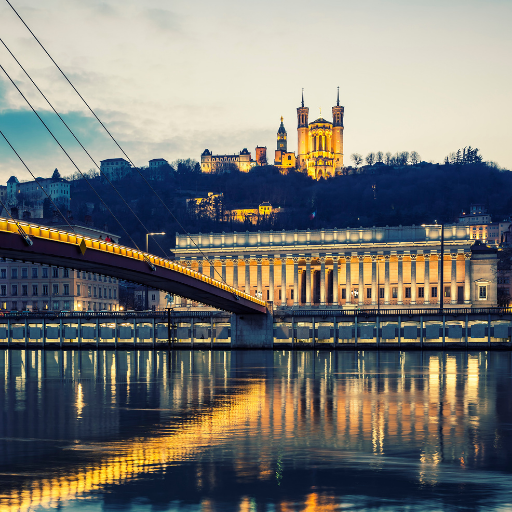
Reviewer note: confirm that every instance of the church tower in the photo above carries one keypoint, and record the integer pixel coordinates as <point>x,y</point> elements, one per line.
<point>282,143</point>
<point>302,133</point>
<point>337,133</point>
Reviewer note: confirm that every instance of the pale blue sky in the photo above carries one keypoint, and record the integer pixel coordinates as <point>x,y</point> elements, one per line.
<point>170,78</point>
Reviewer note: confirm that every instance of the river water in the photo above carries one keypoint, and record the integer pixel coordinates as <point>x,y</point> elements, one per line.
<point>255,431</point>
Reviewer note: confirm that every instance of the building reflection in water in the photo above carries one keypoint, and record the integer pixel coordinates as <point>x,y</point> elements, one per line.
<point>292,430</point>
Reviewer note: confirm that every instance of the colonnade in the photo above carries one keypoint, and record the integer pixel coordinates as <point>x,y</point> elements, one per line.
<point>347,279</point>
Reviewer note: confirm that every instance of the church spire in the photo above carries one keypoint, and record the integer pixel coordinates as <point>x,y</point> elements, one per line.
<point>338,100</point>
<point>303,97</point>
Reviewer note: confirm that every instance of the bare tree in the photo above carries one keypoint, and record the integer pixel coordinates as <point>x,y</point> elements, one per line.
<point>370,158</point>
<point>415,158</point>
<point>357,159</point>
<point>379,156</point>
<point>388,159</point>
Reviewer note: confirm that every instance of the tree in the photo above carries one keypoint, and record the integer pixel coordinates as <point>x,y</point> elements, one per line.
<point>415,158</point>
<point>357,159</point>
<point>388,158</point>
<point>379,156</point>
<point>370,158</point>
<point>56,175</point>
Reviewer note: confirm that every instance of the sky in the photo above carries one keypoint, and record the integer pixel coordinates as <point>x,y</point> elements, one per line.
<point>171,78</point>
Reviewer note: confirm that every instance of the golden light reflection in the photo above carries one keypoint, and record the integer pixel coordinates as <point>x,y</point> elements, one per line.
<point>125,460</point>
<point>79,402</point>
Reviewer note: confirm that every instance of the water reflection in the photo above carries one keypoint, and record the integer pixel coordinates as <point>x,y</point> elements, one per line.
<point>255,430</point>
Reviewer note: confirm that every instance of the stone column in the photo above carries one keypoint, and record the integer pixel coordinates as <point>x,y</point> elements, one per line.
<point>426,289</point>
<point>453,278</point>
<point>200,265</point>
<point>259,291</point>
<point>386,279</point>
<point>235,271</point>
<point>467,277</point>
<point>223,261</point>
<point>295,281</point>
<point>322,281</point>
<point>440,291</point>
<point>400,279</point>
<point>212,267</point>
<point>375,285</point>
<point>361,281</point>
<point>308,281</point>
<point>413,278</point>
<point>247,262</point>
<point>283,280</point>
<point>271,279</point>
<point>348,279</point>
<point>335,285</point>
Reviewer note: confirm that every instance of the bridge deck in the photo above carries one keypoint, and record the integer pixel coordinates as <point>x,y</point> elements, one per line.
<point>61,248</point>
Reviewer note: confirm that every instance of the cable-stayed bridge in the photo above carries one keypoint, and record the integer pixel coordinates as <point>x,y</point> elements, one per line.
<point>46,245</point>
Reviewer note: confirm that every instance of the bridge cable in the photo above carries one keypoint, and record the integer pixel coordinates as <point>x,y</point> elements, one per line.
<point>20,229</point>
<point>81,145</point>
<point>117,144</point>
<point>37,181</point>
<point>76,167</point>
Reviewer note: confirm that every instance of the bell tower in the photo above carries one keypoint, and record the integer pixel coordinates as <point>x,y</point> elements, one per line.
<point>337,133</point>
<point>282,143</point>
<point>302,133</point>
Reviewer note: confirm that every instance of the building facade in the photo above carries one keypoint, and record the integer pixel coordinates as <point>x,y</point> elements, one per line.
<point>115,168</point>
<point>35,287</point>
<point>353,268</point>
<point>211,163</point>
<point>25,200</point>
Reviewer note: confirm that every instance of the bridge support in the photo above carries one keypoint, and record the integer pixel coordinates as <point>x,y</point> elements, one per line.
<point>252,331</point>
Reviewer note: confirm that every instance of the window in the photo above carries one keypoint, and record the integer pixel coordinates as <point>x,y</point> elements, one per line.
<point>78,274</point>
<point>381,293</point>
<point>45,272</point>
<point>34,273</point>
<point>153,296</point>
<point>99,292</point>
<point>24,272</point>
<point>368,293</point>
<point>344,293</point>
<point>66,272</point>
<point>83,275</point>
<point>14,289</point>
<point>279,294</point>
<point>434,291</point>
<point>24,289</point>
<point>407,292</point>
<point>109,279</point>
<point>482,292</point>
<point>394,292</point>
<point>110,293</point>
<point>3,273</point>
<point>35,290</point>
<point>66,305</point>
<point>55,289</point>
<point>55,272</point>
<point>421,292</point>
<point>94,277</point>
<point>14,305</point>
<point>99,278</point>
<point>447,291</point>
<point>89,276</point>
<point>115,293</point>
<point>66,289</point>
<point>14,273</point>
<point>55,305</point>
<point>104,293</point>
<point>3,290</point>
<point>89,291</point>
<point>95,291</point>
<point>78,290</point>
<point>291,294</point>
<point>45,289</point>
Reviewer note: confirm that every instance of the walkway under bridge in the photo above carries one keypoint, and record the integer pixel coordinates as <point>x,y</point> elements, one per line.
<point>390,329</point>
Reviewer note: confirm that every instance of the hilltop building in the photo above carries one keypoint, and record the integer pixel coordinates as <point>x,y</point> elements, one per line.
<point>25,200</point>
<point>211,163</point>
<point>320,144</point>
<point>115,168</point>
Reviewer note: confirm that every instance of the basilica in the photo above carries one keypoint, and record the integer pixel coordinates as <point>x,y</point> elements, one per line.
<point>319,144</point>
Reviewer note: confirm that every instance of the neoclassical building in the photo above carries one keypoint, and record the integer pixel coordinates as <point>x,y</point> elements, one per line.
<point>386,267</point>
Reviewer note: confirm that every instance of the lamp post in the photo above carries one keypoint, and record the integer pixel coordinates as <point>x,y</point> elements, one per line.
<point>146,302</point>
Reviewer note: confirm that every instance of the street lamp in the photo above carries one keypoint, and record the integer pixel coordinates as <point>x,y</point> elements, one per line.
<point>146,305</point>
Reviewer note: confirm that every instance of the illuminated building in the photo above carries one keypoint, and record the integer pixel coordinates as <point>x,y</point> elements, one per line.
<point>211,163</point>
<point>350,268</point>
<point>283,158</point>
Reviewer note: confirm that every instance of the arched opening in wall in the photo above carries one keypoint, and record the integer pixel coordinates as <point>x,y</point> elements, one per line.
<point>316,287</point>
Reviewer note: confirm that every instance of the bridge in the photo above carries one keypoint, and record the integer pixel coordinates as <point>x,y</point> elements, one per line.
<point>50,246</point>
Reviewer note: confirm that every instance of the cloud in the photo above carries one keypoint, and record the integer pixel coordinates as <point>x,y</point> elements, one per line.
<point>162,19</point>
